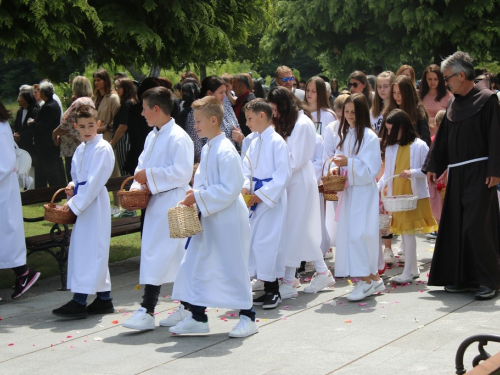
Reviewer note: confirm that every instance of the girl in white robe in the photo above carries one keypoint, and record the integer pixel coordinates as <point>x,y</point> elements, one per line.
<point>303,217</point>
<point>266,175</point>
<point>12,245</point>
<point>358,153</point>
<point>88,272</point>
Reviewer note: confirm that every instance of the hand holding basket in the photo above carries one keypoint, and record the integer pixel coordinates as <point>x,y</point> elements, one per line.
<point>135,199</point>
<point>398,203</point>
<point>54,214</point>
<point>333,182</point>
<point>183,221</point>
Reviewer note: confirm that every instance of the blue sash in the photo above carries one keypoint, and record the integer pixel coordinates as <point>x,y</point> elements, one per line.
<point>258,185</point>
<point>77,185</point>
<point>189,238</point>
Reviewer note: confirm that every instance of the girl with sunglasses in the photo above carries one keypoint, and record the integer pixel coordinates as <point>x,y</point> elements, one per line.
<point>358,84</point>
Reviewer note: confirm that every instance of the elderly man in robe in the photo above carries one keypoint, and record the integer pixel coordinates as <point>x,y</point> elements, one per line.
<point>466,257</point>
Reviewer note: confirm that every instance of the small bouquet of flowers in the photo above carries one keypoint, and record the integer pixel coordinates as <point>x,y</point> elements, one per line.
<point>442,189</point>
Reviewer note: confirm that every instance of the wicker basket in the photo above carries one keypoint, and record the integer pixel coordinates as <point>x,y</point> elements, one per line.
<point>183,221</point>
<point>332,181</point>
<point>330,196</point>
<point>398,203</point>
<point>247,197</point>
<point>55,215</point>
<point>384,221</point>
<point>135,199</point>
<point>442,192</point>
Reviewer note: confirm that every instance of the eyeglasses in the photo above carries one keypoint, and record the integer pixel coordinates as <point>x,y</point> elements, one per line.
<point>118,87</point>
<point>355,84</point>
<point>447,78</point>
<point>284,79</point>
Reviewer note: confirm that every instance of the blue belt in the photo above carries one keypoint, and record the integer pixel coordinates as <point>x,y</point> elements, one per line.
<point>78,184</point>
<point>189,238</point>
<point>258,185</point>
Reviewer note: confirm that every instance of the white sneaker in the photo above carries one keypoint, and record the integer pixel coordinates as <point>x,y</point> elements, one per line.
<point>401,258</point>
<point>361,291</point>
<point>179,314</point>
<point>401,249</point>
<point>400,279</point>
<point>389,257</point>
<point>189,325</point>
<point>378,286</point>
<point>296,283</point>
<point>288,291</point>
<point>141,321</point>
<point>244,328</point>
<point>329,254</point>
<point>115,210</point>
<point>257,285</point>
<point>320,281</point>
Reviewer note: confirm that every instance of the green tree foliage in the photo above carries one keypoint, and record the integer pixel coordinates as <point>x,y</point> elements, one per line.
<point>364,33</point>
<point>129,32</point>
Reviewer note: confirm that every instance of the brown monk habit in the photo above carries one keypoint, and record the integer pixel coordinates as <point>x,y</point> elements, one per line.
<point>468,244</point>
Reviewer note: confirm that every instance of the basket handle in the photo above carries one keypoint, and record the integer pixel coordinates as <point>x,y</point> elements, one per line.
<point>385,184</point>
<point>127,180</point>
<point>251,169</point>
<point>55,195</point>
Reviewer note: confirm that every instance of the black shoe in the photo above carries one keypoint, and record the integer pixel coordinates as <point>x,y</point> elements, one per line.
<point>100,306</point>
<point>23,283</point>
<point>271,300</point>
<point>72,310</point>
<point>485,293</point>
<point>259,301</point>
<point>461,288</point>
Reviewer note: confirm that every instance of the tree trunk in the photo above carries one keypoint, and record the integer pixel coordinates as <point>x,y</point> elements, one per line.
<point>136,73</point>
<point>203,72</point>
<point>155,70</point>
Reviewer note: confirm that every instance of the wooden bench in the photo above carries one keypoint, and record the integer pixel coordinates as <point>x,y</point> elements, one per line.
<point>56,242</point>
<point>483,363</point>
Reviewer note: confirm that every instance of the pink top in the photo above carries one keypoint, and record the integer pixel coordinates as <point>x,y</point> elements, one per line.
<point>432,107</point>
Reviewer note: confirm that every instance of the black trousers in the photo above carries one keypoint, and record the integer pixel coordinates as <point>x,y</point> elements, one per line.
<point>49,167</point>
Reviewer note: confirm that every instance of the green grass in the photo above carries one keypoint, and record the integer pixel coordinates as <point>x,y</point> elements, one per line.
<point>121,247</point>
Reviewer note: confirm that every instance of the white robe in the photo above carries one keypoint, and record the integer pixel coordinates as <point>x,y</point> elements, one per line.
<point>12,244</point>
<point>325,118</point>
<point>330,141</point>
<point>268,154</point>
<point>358,228</point>
<point>88,256</point>
<point>303,215</point>
<point>214,270</point>
<point>317,161</point>
<point>168,160</point>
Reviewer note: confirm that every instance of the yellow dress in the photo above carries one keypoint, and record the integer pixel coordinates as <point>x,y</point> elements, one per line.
<point>419,220</point>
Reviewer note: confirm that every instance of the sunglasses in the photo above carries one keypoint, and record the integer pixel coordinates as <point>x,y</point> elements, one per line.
<point>284,79</point>
<point>355,84</point>
<point>118,87</point>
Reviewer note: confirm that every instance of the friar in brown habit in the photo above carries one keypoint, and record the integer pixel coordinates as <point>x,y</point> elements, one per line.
<point>467,253</point>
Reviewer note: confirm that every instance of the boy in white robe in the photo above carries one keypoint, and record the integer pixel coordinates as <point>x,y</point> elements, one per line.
<point>12,245</point>
<point>88,271</point>
<point>266,177</point>
<point>166,166</point>
<point>214,272</point>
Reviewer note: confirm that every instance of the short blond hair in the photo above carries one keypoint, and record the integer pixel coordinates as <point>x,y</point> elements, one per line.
<point>281,69</point>
<point>339,101</point>
<point>210,106</point>
<point>439,117</point>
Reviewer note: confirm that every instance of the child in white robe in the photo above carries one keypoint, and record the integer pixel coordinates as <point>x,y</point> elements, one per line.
<point>358,154</point>
<point>303,215</point>
<point>12,245</point>
<point>166,166</point>
<point>266,177</point>
<point>214,270</point>
<point>88,272</point>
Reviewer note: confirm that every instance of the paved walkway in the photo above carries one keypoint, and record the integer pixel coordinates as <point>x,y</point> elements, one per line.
<point>413,329</point>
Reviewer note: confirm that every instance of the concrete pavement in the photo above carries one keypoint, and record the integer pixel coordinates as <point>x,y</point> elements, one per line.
<point>412,329</point>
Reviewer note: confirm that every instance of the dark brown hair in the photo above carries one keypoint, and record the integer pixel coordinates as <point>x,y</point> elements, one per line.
<point>129,92</point>
<point>104,75</point>
<point>424,86</point>
<point>86,111</point>
<point>399,120</point>
<point>260,105</point>
<point>322,95</point>
<point>4,113</point>
<point>362,112</point>
<point>361,77</point>
<point>411,103</point>
<point>160,96</point>
<point>288,107</point>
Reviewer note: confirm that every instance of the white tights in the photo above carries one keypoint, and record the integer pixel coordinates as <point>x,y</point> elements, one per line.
<point>410,246</point>
<point>289,276</point>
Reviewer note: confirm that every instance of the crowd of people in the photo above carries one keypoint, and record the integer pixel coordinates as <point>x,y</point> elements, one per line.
<point>273,146</point>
